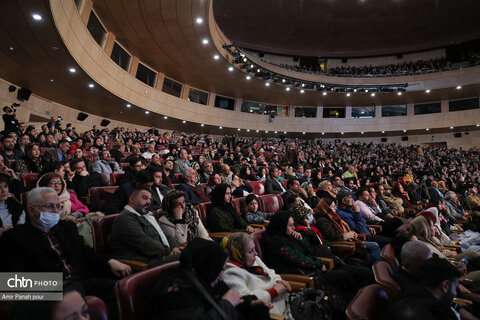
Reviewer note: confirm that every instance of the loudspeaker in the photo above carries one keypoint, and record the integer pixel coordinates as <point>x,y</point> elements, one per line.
<point>261,54</point>
<point>383,139</point>
<point>105,122</point>
<point>344,60</point>
<point>457,134</point>
<point>12,88</point>
<point>404,138</point>
<point>82,116</point>
<point>23,94</point>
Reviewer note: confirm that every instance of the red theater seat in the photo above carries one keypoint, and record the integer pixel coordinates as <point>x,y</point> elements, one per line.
<point>97,310</point>
<point>258,187</point>
<point>114,177</point>
<point>270,203</point>
<point>100,197</point>
<point>29,180</point>
<point>202,210</point>
<point>369,304</point>
<point>133,292</point>
<point>101,228</point>
<point>383,276</point>
<point>388,255</point>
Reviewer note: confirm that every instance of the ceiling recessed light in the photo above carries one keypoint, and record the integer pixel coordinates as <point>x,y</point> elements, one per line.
<point>303,132</point>
<point>11,48</point>
<point>258,70</point>
<point>248,130</point>
<point>216,57</point>
<point>399,93</point>
<point>478,125</point>
<point>165,117</point>
<point>230,69</point>
<point>128,105</point>
<point>205,41</point>
<point>238,129</point>
<point>147,112</point>
<point>348,94</point>
<point>283,80</point>
<point>72,70</point>
<point>184,121</point>
<point>146,91</point>
<point>361,132</point>
<point>354,90</point>
<point>323,133</point>
<point>366,90</point>
<point>284,132</point>
<point>404,130</point>
<point>287,89</point>
<point>324,93</point>
<point>220,127</point>
<point>266,131</point>
<point>373,94</point>
<point>257,130</point>
<point>244,59</point>
<point>276,132</point>
<point>302,91</point>
<point>427,129</point>
<point>267,84</point>
<point>427,91</point>
<point>383,131</point>
<point>51,80</point>
<point>91,85</point>
<point>303,85</point>
<point>251,110</point>
<point>451,127</point>
<point>36,16</point>
<point>54,48</point>
<point>202,125</point>
<point>248,77</point>
<point>199,20</point>
<point>251,66</point>
<point>459,87</point>
<point>342,132</point>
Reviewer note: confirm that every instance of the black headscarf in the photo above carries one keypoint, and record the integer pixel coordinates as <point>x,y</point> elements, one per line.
<point>218,198</point>
<point>206,257</point>
<point>278,224</point>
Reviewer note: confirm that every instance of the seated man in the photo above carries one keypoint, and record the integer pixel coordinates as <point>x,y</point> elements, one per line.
<point>136,235</point>
<point>47,244</point>
<point>105,165</point>
<point>293,187</point>
<point>193,193</point>
<point>434,299</point>
<point>272,184</point>
<point>433,192</point>
<point>9,152</point>
<point>59,154</point>
<point>181,164</point>
<point>83,179</point>
<point>135,165</point>
<point>413,255</point>
<point>473,198</point>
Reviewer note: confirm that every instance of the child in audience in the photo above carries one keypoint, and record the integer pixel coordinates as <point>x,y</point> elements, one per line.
<point>253,215</point>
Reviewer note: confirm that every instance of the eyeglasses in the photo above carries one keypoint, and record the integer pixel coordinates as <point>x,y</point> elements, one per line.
<point>51,206</point>
<point>55,182</point>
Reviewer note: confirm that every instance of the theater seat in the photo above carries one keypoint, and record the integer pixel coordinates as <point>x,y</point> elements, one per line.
<point>133,292</point>
<point>29,180</point>
<point>388,255</point>
<point>369,304</point>
<point>202,210</point>
<point>236,204</point>
<point>258,187</point>
<point>100,197</point>
<point>97,310</point>
<point>270,203</point>
<point>101,229</point>
<point>179,177</point>
<point>383,276</point>
<point>114,177</point>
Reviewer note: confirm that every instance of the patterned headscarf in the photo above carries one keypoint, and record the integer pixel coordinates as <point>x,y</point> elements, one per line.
<point>299,212</point>
<point>235,245</point>
<point>190,216</point>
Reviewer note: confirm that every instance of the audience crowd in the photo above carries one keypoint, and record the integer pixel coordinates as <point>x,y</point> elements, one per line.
<point>277,206</point>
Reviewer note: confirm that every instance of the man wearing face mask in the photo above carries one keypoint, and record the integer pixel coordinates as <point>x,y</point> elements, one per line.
<point>136,234</point>
<point>47,244</point>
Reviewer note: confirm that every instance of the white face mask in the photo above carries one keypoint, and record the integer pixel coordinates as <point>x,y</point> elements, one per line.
<point>48,219</point>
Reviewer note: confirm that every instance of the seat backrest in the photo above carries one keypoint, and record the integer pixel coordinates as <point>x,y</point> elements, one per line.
<point>124,165</point>
<point>257,238</point>
<point>388,255</point>
<point>100,197</point>
<point>236,205</point>
<point>270,203</point>
<point>369,304</point>
<point>203,186</point>
<point>101,229</point>
<point>97,310</point>
<point>133,291</point>
<point>258,187</point>
<point>114,177</point>
<point>383,276</point>
<point>202,210</point>
<point>179,177</point>
<point>29,180</point>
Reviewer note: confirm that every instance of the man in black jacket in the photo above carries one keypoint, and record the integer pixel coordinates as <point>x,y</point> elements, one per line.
<point>272,184</point>
<point>83,179</point>
<point>45,244</point>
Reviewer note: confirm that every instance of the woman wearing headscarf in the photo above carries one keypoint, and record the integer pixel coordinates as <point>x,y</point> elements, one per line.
<point>326,191</point>
<point>246,174</point>
<point>196,167</point>
<point>246,273</point>
<point>180,220</point>
<point>312,199</point>
<point>222,216</point>
<point>195,290</point>
<point>72,209</point>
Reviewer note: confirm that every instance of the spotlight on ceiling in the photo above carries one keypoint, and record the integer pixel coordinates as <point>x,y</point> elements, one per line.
<point>205,41</point>
<point>302,91</point>
<point>199,20</point>
<point>216,57</point>
<point>147,112</point>
<point>230,69</point>
<point>248,77</point>
<point>72,70</point>
<point>459,87</point>
<point>36,17</point>
<point>427,91</point>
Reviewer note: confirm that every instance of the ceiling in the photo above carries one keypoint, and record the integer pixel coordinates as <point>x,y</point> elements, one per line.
<point>347,28</point>
<point>164,36</point>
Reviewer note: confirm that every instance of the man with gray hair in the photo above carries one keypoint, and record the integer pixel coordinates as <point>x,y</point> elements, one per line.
<point>413,255</point>
<point>193,193</point>
<point>454,207</point>
<point>47,244</point>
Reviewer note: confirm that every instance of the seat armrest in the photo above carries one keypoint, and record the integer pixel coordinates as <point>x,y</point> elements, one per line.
<point>217,236</point>
<point>463,302</point>
<point>275,316</point>
<point>342,249</point>
<point>362,236</point>
<point>376,227</point>
<point>257,226</point>
<point>328,262</point>
<point>458,249</point>
<point>306,280</point>
<point>136,266</point>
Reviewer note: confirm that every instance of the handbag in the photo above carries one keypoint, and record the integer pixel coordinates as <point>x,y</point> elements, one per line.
<point>311,304</point>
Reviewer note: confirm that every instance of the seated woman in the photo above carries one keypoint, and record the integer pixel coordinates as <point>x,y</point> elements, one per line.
<point>313,199</point>
<point>73,209</point>
<point>398,191</point>
<point>180,220</point>
<point>287,252</point>
<point>195,290</point>
<point>246,174</point>
<point>11,211</point>
<point>213,181</point>
<point>326,191</point>
<point>253,215</point>
<point>246,273</point>
<point>31,162</point>
<point>222,216</point>
<point>239,189</point>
